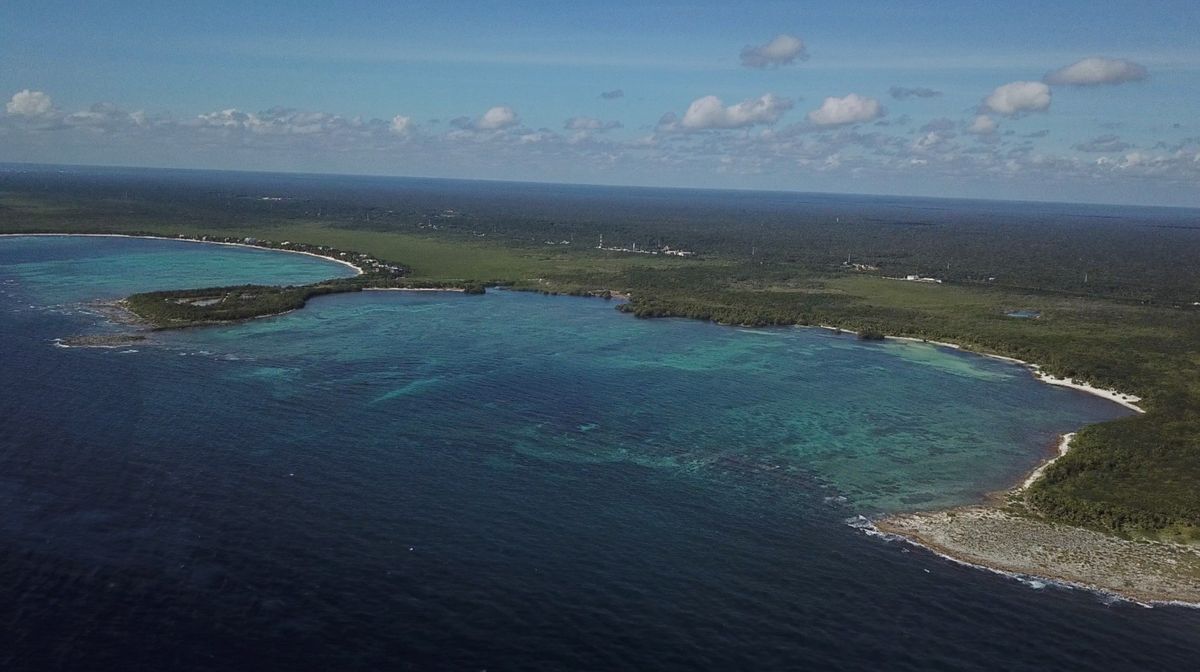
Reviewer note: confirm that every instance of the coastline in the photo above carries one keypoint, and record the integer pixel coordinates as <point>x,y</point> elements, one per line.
<point>992,539</point>
<point>357,269</point>
<point>118,311</point>
<point>985,536</point>
<point>1125,399</point>
<point>1064,445</point>
<point>1129,401</point>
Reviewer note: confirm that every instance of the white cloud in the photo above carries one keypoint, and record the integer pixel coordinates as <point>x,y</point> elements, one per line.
<point>932,141</point>
<point>1017,98</point>
<point>1152,164</point>
<point>105,117</point>
<point>401,125</point>
<point>982,125</point>
<point>589,124</point>
<point>1096,70</point>
<point>497,118</point>
<point>536,137</point>
<point>284,121</point>
<point>783,50</point>
<point>28,103</point>
<point>852,109</point>
<point>283,138</point>
<point>710,112</point>
<point>230,118</point>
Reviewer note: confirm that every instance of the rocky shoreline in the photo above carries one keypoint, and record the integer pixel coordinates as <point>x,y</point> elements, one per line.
<point>1146,572</point>
<point>100,340</point>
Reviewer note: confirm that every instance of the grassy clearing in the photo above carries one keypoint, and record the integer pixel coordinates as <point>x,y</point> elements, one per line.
<point>428,257</point>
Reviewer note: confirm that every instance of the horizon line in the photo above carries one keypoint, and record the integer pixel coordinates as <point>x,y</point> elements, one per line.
<point>6,165</point>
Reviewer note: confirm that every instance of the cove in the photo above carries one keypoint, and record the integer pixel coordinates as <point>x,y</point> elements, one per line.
<point>508,481</point>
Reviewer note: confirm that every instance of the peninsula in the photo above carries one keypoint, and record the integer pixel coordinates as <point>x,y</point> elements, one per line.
<point>177,309</point>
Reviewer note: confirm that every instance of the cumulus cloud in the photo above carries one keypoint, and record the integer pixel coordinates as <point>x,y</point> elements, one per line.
<point>613,95</point>
<point>1096,70</point>
<point>982,125</point>
<point>711,112</point>
<point>401,125</point>
<point>589,124</point>
<point>105,117</point>
<point>1103,143</point>
<point>281,138</point>
<point>1172,166</point>
<point>851,109</point>
<point>783,50</point>
<point>28,103</point>
<point>536,137</point>
<point>1017,98</point>
<point>903,92</point>
<point>285,121</point>
<point>933,141</point>
<point>497,118</point>
<point>228,118</point>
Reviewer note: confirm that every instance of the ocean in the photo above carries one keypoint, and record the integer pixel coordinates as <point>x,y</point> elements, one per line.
<point>427,481</point>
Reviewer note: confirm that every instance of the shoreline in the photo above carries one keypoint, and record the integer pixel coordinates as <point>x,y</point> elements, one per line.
<point>1064,446</point>
<point>986,536</point>
<point>981,535</point>
<point>889,532</point>
<point>994,540</point>
<point>1125,399</point>
<point>357,270</point>
<point>989,537</point>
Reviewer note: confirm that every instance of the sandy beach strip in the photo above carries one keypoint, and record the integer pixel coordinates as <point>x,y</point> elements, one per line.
<point>836,330</point>
<point>357,270</point>
<point>1064,445</point>
<point>1127,400</point>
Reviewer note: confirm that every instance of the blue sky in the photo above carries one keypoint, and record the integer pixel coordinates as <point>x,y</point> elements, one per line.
<point>406,89</point>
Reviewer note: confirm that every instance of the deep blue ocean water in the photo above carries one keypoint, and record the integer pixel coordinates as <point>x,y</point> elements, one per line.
<point>393,480</point>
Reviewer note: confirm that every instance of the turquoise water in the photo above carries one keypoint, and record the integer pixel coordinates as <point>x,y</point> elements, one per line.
<point>61,269</point>
<point>892,426</point>
<point>512,481</point>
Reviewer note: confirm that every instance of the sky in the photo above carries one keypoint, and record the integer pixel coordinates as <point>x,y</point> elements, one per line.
<point>1065,101</point>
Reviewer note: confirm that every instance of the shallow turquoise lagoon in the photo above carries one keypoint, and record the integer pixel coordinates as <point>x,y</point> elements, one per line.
<point>60,269</point>
<point>887,426</point>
